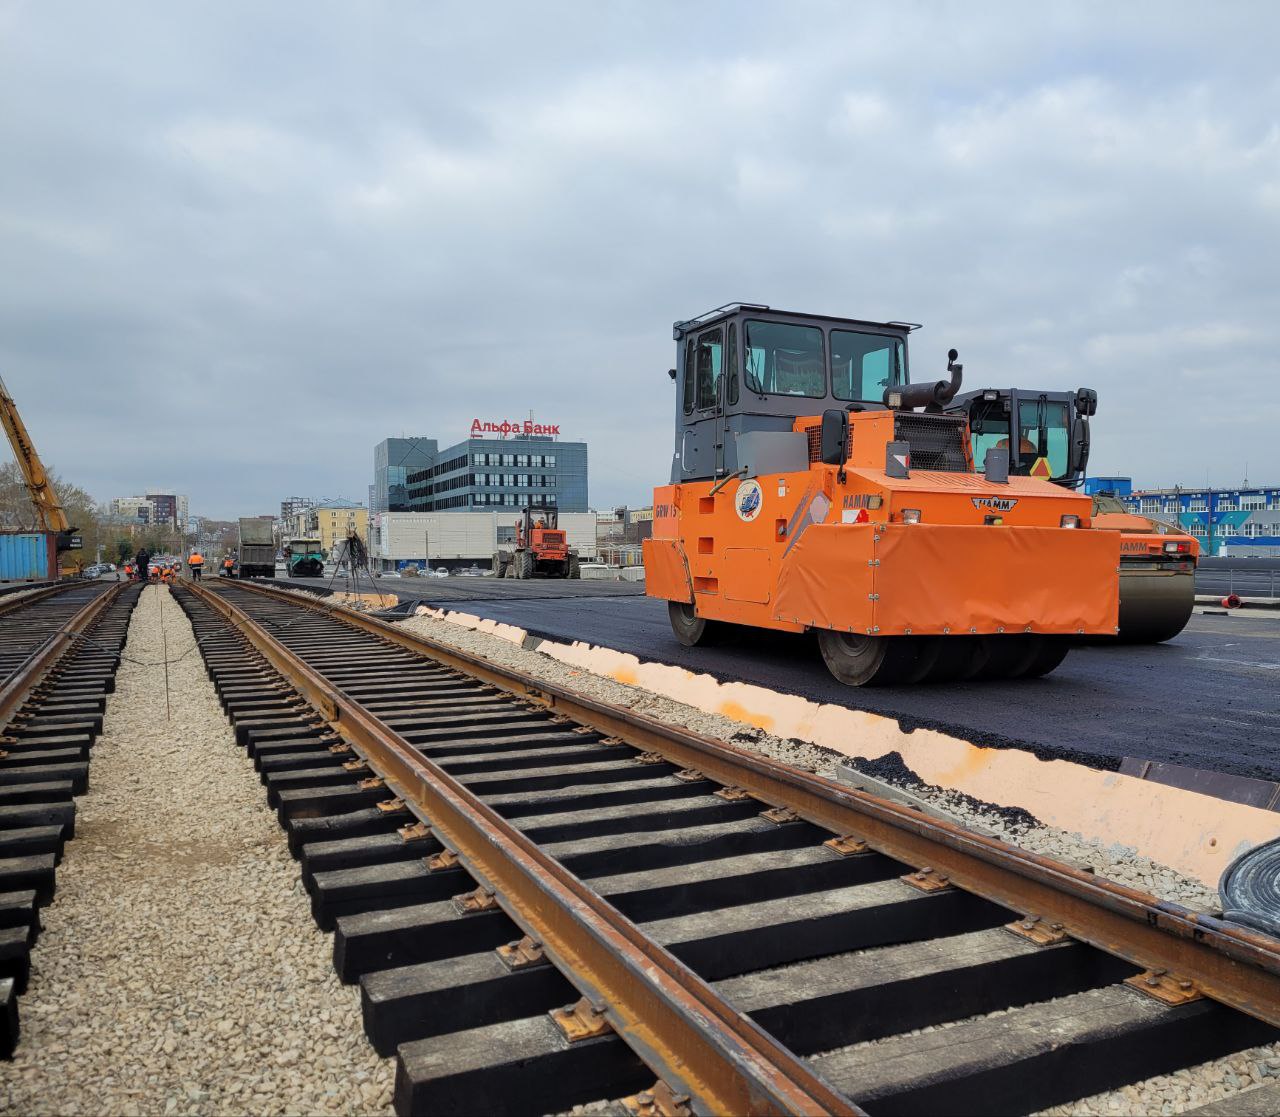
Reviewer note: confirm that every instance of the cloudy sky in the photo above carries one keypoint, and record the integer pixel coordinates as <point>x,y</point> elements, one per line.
<point>240,242</point>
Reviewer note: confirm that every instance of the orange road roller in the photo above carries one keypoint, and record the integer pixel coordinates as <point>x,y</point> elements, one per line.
<point>813,486</point>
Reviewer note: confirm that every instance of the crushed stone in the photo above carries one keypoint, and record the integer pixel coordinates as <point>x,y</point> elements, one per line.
<point>179,970</point>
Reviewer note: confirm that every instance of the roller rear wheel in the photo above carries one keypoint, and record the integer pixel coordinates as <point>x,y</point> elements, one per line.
<point>959,658</point>
<point>690,629</point>
<point>859,660</point>
<point>1009,657</point>
<point>1053,650</point>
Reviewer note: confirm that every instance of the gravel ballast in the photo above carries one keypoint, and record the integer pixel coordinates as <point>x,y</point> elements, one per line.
<point>179,970</point>
<point>1167,1094</point>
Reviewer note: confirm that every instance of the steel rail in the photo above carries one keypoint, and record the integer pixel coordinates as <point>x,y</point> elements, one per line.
<point>36,666</point>
<point>691,1038</point>
<point>1234,965</point>
<point>12,603</point>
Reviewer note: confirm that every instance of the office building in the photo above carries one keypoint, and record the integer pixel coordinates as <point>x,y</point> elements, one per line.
<point>393,460</point>
<point>527,466</point>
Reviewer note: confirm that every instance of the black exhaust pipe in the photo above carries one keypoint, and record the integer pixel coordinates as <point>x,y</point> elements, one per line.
<point>932,397</point>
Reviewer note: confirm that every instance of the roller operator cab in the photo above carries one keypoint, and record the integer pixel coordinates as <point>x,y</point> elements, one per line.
<point>813,486</point>
<point>1047,436</point>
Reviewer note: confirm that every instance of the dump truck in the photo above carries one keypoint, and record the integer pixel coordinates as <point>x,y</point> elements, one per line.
<point>304,557</point>
<point>541,549</point>
<point>257,553</point>
<point>814,487</point>
<point>1047,435</point>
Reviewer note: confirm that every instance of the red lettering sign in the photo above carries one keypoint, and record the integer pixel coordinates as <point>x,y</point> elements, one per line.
<point>482,427</point>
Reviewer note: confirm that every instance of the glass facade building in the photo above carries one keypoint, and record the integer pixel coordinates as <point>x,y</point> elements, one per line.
<point>393,460</point>
<point>491,474</point>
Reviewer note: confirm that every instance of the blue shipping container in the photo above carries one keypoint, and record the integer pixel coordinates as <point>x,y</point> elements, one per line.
<point>25,557</point>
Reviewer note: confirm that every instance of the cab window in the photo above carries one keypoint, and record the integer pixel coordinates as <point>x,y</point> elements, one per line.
<point>689,377</point>
<point>784,359</point>
<point>1042,433</point>
<point>709,357</point>
<point>731,364</point>
<point>990,432</point>
<point>864,365</point>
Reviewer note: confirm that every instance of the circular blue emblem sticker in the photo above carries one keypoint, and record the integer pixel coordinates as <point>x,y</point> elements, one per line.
<point>748,500</point>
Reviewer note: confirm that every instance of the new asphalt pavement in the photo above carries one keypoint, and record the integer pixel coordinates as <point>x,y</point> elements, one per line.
<point>1210,698</point>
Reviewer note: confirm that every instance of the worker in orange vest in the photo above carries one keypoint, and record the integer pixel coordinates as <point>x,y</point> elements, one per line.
<point>228,565</point>
<point>196,562</point>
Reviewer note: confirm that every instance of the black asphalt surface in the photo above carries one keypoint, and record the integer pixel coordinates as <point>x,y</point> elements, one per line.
<point>456,590</point>
<point>1209,698</point>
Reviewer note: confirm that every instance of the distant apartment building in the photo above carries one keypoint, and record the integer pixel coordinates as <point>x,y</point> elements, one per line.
<point>291,506</point>
<point>132,509</point>
<point>1238,522</point>
<point>170,509</point>
<point>335,520</point>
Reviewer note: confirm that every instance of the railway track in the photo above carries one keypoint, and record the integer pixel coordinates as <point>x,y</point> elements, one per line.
<point>548,901</point>
<point>53,688</point>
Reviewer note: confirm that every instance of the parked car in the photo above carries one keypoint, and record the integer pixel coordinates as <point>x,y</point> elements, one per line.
<point>389,574</point>
<point>440,572</point>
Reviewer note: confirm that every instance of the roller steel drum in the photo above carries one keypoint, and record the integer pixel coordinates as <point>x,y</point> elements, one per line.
<point>1155,605</point>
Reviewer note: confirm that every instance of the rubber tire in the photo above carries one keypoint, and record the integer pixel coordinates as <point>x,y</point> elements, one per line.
<point>524,564</point>
<point>858,660</point>
<point>575,567</point>
<point>1009,656</point>
<point>1053,650</point>
<point>960,658</point>
<point>925,651</point>
<point>690,629</point>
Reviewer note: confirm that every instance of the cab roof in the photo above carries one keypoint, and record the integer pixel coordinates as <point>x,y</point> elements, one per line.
<point>730,310</point>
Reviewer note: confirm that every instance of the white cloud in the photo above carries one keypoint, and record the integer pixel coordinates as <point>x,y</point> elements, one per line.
<point>375,218</point>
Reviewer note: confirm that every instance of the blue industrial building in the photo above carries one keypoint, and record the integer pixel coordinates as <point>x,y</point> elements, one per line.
<point>1240,522</point>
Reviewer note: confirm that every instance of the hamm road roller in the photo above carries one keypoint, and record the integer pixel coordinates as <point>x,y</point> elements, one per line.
<point>814,487</point>
<point>1047,435</point>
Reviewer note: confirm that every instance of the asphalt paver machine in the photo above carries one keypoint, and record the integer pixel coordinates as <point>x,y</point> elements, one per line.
<point>814,487</point>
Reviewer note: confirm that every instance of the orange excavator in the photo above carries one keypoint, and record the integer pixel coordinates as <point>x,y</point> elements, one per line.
<point>1048,435</point>
<point>814,487</point>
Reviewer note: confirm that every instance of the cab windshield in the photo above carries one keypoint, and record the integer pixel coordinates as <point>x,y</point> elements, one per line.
<point>1042,433</point>
<point>784,359</point>
<point>864,365</point>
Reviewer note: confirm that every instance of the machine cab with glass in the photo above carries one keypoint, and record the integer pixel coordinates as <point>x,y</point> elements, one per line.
<point>1046,433</point>
<point>744,372</point>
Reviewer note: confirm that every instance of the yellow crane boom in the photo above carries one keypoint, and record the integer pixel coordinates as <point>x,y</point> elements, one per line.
<point>44,498</point>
